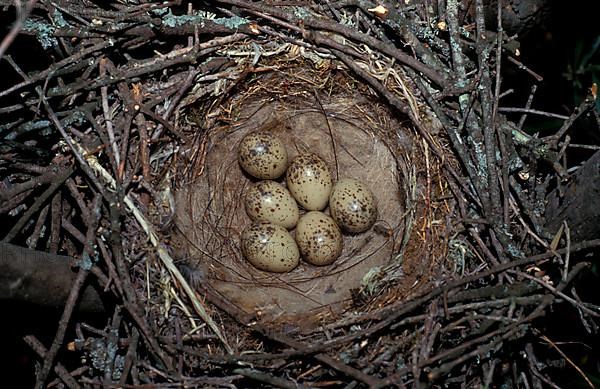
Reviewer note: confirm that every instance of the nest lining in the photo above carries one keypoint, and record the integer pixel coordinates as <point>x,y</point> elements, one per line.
<point>370,145</point>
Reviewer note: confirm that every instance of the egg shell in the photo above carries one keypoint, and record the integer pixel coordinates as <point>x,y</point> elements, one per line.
<point>319,238</point>
<point>270,201</point>
<point>270,247</point>
<point>262,155</point>
<point>352,205</point>
<point>309,181</point>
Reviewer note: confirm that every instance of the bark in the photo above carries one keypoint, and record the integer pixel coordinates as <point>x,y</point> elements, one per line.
<point>577,202</point>
<point>41,278</point>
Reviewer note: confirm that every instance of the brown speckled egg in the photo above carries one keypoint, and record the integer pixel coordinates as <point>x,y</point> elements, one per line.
<point>262,155</point>
<point>268,201</point>
<point>319,238</point>
<point>309,181</point>
<point>352,205</point>
<point>270,247</point>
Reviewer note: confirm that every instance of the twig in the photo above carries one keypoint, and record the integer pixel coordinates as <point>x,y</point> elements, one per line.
<point>267,379</point>
<point>161,251</point>
<point>585,105</point>
<point>58,181</point>
<point>60,370</point>
<point>558,292</point>
<point>347,32</point>
<point>22,15</point>
<point>85,264</point>
<point>62,326</point>
<point>527,106</point>
<point>533,111</point>
<point>521,66</point>
<point>130,356</point>
<point>60,64</point>
<point>569,361</point>
<point>489,126</point>
<point>108,115</point>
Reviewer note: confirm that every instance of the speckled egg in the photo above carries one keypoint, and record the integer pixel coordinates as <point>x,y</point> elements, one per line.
<point>270,247</point>
<point>352,205</point>
<point>263,155</point>
<point>319,238</point>
<point>270,201</point>
<point>309,181</point>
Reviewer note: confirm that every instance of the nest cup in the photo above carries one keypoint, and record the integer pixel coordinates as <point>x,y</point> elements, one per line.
<point>358,139</point>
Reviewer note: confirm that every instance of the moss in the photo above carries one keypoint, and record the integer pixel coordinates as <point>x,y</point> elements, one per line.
<point>301,13</point>
<point>173,21</point>
<point>232,22</point>
<point>58,19</point>
<point>44,32</point>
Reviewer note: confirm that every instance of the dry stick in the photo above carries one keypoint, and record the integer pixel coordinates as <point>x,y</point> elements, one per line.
<point>187,84</point>
<point>405,109</point>
<point>85,264</point>
<point>62,327</point>
<point>521,66</point>
<point>569,361</point>
<point>481,350</point>
<point>395,311</point>
<point>108,119</point>
<point>527,107</point>
<point>48,72</point>
<point>557,292</point>
<point>130,356</point>
<point>112,340</point>
<point>102,135</point>
<point>127,121</point>
<point>78,198</point>
<point>70,228</point>
<point>458,62</point>
<point>331,344</point>
<point>326,359</point>
<point>585,105</point>
<point>130,297</point>
<point>161,251</point>
<point>431,327</point>
<point>56,210</point>
<point>457,143</point>
<point>82,162</point>
<point>489,126</point>
<point>532,111</point>
<point>144,150</point>
<point>267,378</point>
<point>149,66</point>
<point>536,313</point>
<point>47,177</point>
<point>348,33</point>
<point>37,230</point>
<point>59,369</point>
<point>502,137</point>
<point>59,179</point>
<point>309,350</point>
<point>22,14</point>
<point>533,363</point>
<point>408,30</point>
<point>458,59</point>
<point>112,271</point>
<point>79,153</point>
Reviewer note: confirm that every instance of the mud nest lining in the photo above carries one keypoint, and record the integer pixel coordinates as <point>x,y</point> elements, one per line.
<point>357,141</point>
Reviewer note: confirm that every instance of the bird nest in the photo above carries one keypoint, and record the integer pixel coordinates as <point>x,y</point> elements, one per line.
<point>360,138</point>
<point>122,155</point>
